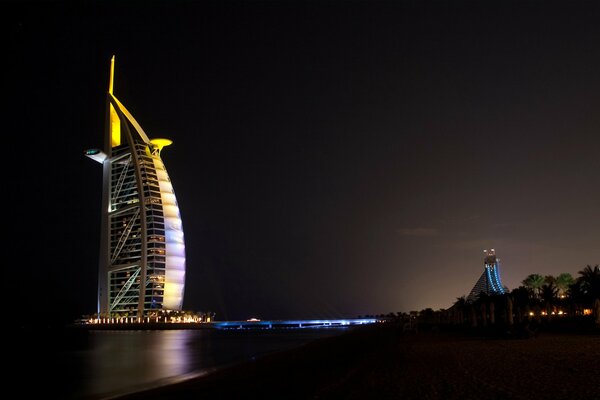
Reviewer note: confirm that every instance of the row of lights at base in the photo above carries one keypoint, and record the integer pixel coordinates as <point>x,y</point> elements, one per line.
<point>586,311</point>
<point>531,313</point>
<point>138,320</point>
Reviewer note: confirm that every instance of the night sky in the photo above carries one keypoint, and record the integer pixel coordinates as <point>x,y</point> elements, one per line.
<point>330,159</point>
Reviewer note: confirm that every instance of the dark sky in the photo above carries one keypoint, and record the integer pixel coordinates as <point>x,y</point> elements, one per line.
<point>330,158</point>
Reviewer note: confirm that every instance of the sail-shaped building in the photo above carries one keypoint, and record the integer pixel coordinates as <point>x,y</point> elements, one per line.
<point>489,282</point>
<point>142,249</point>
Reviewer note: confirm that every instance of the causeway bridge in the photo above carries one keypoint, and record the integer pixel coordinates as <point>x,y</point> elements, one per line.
<point>292,324</point>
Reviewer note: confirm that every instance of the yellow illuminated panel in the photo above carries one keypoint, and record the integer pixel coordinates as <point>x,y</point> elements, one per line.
<point>160,143</point>
<point>115,127</point>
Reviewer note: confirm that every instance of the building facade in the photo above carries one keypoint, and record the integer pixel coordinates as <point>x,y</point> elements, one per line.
<point>142,249</point>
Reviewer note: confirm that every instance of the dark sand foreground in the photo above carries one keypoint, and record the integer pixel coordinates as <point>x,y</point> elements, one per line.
<point>382,363</point>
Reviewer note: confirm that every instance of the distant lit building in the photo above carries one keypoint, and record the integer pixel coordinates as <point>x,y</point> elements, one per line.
<point>489,282</point>
<point>142,250</point>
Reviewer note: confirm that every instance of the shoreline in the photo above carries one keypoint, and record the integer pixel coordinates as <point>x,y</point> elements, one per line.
<point>161,383</point>
<point>229,325</point>
<point>383,362</point>
<point>101,364</point>
<point>209,371</point>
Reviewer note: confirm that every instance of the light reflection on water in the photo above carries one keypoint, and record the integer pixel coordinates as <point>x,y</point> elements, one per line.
<point>100,364</point>
<point>148,356</point>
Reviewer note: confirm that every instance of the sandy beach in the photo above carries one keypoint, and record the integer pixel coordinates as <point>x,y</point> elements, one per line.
<point>381,362</point>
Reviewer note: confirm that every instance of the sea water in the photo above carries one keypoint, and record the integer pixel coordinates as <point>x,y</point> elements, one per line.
<point>89,364</point>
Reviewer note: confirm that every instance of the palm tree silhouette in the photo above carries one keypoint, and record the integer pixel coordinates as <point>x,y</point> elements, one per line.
<point>459,307</point>
<point>534,282</point>
<point>549,295</point>
<point>589,280</point>
<point>576,296</point>
<point>521,297</point>
<point>563,281</point>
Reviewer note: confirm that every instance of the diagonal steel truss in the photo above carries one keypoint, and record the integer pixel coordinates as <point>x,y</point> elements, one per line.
<point>125,289</point>
<point>125,235</point>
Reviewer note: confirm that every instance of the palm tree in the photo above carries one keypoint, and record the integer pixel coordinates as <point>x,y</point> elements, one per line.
<point>576,296</point>
<point>521,297</point>
<point>549,295</point>
<point>459,309</point>
<point>534,282</point>
<point>562,282</point>
<point>590,282</point>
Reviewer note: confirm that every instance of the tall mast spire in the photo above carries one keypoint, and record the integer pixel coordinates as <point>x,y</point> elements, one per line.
<point>112,75</point>
<point>115,123</point>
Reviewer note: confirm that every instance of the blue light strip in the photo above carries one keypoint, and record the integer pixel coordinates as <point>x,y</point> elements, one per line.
<point>498,282</point>
<point>301,323</point>
<point>489,278</point>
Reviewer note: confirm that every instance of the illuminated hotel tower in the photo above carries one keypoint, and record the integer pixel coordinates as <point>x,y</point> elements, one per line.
<point>142,251</point>
<point>489,282</point>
